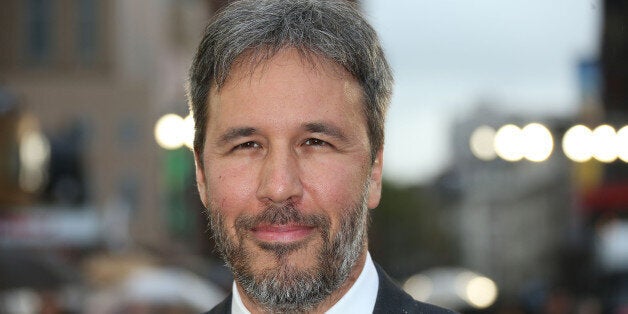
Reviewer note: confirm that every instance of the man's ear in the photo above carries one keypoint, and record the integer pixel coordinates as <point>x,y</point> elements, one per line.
<point>375,184</point>
<point>201,180</point>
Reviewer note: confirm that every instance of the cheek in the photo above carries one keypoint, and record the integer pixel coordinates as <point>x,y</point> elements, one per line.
<point>230,188</point>
<point>335,185</point>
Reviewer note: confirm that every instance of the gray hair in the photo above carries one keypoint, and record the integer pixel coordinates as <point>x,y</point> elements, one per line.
<point>260,28</point>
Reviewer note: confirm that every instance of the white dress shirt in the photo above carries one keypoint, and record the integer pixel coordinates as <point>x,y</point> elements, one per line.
<point>359,299</point>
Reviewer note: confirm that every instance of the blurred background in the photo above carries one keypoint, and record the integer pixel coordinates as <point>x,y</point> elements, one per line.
<point>506,178</point>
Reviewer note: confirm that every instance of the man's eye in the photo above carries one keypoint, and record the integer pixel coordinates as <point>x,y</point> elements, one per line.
<point>315,142</point>
<point>247,145</point>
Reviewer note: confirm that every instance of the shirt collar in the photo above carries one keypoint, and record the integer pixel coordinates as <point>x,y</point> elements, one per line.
<point>359,299</point>
<point>237,307</point>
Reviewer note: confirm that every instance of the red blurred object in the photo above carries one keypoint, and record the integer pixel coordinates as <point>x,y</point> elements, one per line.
<point>608,197</point>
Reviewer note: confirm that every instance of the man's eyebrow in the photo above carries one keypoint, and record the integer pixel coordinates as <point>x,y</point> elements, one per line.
<point>325,128</point>
<point>234,133</point>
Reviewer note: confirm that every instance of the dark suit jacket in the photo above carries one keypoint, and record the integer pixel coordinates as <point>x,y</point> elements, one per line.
<point>390,299</point>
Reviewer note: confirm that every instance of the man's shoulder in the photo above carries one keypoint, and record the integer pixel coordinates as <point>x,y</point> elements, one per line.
<point>392,299</point>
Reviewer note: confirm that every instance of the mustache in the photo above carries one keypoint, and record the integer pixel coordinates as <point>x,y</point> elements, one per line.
<point>281,215</point>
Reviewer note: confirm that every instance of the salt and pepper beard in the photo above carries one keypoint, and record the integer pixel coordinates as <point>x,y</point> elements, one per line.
<point>286,288</point>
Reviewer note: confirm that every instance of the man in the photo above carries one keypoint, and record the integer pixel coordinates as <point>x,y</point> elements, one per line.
<point>289,99</point>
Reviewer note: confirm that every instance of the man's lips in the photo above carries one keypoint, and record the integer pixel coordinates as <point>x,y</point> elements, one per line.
<point>282,233</point>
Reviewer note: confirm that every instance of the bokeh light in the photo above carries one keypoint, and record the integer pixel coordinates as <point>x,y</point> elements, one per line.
<point>508,143</point>
<point>481,143</point>
<point>537,142</point>
<point>169,131</point>
<point>481,292</point>
<point>622,144</point>
<point>577,143</point>
<point>34,150</point>
<point>34,154</point>
<point>419,286</point>
<point>604,143</point>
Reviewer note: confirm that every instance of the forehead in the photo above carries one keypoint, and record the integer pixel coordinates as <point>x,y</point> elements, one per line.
<point>252,60</point>
<point>287,80</point>
<point>255,64</point>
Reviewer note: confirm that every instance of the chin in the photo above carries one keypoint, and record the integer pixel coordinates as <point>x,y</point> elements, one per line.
<point>302,255</point>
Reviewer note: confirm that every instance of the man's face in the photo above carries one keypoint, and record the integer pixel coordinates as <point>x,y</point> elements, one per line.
<point>287,174</point>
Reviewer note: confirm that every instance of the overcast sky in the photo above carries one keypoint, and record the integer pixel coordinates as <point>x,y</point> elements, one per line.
<point>449,54</point>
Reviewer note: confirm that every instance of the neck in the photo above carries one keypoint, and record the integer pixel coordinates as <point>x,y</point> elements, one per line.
<point>327,303</point>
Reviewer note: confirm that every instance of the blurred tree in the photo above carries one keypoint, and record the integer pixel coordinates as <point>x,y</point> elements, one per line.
<point>179,171</point>
<point>409,232</point>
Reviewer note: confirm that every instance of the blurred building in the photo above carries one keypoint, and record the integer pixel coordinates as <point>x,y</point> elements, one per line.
<point>604,204</point>
<point>613,98</point>
<point>97,75</point>
<point>513,216</point>
<point>614,55</point>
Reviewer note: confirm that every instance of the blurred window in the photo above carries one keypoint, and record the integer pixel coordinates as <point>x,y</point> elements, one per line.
<point>87,30</point>
<point>39,30</point>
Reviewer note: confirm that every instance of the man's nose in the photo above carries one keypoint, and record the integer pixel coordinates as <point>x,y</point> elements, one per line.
<point>279,178</point>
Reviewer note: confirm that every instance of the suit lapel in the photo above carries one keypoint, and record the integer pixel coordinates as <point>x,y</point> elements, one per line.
<point>389,295</point>
<point>223,307</point>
